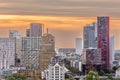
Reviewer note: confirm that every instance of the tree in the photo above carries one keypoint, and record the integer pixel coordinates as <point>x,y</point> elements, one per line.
<point>92,75</point>
<point>16,77</point>
<point>70,79</point>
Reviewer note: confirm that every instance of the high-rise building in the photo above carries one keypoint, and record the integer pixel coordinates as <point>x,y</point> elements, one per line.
<point>27,32</point>
<point>36,29</point>
<point>7,53</point>
<point>112,55</point>
<point>90,36</point>
<point>47,51</point>
<point>15,34</point>
<point>103,40</point>
<point>79,46</point>
<point>30,52</point>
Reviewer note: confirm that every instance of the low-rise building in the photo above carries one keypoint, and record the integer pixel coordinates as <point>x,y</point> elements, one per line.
<point>56,70</point>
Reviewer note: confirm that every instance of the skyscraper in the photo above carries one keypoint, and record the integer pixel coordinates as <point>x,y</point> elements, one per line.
<point>7,53</point>
<point>79,46</point>
<point>30,52</point>
<point>112,55</point>
<point>47,50</point>
<point>36,29</point>
<point>103,40</point>
<point>27,32</point>
<point>16,35</point>
<point>89,36</point>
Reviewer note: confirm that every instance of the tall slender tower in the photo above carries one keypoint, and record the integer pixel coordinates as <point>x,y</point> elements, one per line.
<point>89,36</point>
<point>103,40</point>
<point>79,46</point>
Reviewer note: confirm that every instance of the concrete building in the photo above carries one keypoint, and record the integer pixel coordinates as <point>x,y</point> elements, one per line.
<point>27,32</point>
<point>103,40</point>
<point>36,29</point>
<point>79,46</point>
<point>30,52</point>
<point>56,70</point>
<point>112,53</point>
<point>77,64</point>
<point>66,52</point>
<point>91,59</point>
<point>90,36</point>
<point>7,52</point>
<point>117,73</point>
<point>47,51</point>
<point>15,34</point>
<point>117,55</point>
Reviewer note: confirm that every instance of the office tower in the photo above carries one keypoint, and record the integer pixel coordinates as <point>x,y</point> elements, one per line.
<point>7,53</point>
<point>47,51</point>
<point>30,52</point>
<point>103,40</point>
<point>27,32</point>
<point>89,36</point>
<point>15,34</point>
<point>36,29</point>
<point>79,46</point>
<point>111,51</point>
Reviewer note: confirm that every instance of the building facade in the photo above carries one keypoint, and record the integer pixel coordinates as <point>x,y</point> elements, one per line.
<point>103,40</point>
<point>7,53</point>
<point>15,34</point>
<point>47,51</point>
<point>27,32</point>
<point>90,36</point>
<point>79,46</point>
<point>112,53</point>
<point>66,52</point>
<point>56,69</point>
<point>36,29</point>
<point>30,52</point>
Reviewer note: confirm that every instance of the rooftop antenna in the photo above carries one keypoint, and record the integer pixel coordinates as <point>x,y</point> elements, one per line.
<point>43,29</point>
<point>47,30</point>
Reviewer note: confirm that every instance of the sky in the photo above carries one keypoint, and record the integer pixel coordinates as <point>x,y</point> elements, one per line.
<point>65,19</point>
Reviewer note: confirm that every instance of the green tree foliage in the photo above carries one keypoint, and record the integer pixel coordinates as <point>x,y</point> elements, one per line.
<point>16,77</point>
<point>92,75</point>
<point>72,69</point>
<point>70,79</point>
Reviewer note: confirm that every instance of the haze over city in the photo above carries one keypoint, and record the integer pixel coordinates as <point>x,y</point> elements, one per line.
<point>64,18</point>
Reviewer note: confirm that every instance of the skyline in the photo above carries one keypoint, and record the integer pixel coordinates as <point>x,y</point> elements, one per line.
<point>62,17</point>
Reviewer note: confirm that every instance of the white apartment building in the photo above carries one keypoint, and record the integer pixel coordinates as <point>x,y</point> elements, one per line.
<point>7,52</point>
<point>56,70</point>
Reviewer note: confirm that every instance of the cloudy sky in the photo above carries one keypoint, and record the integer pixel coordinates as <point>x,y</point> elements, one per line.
<point>64,18</point>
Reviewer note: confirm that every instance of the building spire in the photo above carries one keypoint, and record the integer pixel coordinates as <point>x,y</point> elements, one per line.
<point>47,30</point>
